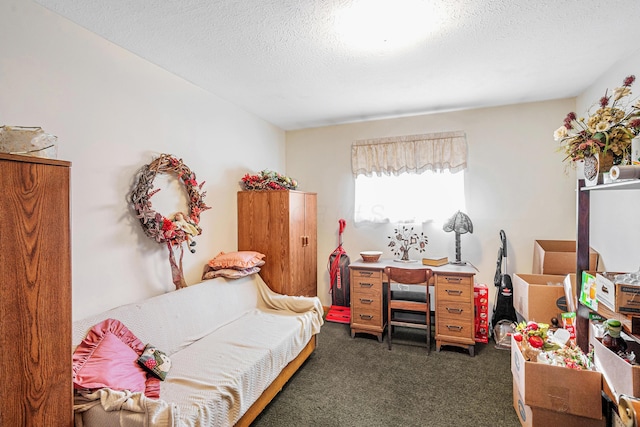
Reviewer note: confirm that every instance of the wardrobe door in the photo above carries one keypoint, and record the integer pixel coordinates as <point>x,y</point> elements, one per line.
<point>35,295</point>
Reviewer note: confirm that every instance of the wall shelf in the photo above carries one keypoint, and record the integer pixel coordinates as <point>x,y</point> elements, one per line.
<point>625,184</point>
<point>582,252</point>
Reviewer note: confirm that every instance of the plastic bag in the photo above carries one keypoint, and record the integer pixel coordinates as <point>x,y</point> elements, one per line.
<point>502,332</point>
<point>30,141</point>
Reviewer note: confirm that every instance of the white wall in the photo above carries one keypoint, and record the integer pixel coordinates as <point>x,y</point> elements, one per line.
<point>113,112</point>
<point>615,227</point>
<point>515,181</point>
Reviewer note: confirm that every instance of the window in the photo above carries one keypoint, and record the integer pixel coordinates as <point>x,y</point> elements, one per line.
<point>409,197</point>
<point>413,178</point>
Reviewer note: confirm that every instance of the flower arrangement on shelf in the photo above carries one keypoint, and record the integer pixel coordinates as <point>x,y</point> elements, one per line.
<point>609,129</point>
<point>268,180</point>
<point>404,239</point>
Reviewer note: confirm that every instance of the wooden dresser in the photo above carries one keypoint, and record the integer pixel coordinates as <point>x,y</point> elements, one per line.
<point>453,294</point>
<point>282,225</point>
<point>35,296</point>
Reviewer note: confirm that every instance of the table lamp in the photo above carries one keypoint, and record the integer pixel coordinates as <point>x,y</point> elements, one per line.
<point>459,223</point>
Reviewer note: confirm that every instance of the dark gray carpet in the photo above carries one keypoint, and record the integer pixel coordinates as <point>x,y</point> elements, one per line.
<point>359,382</point>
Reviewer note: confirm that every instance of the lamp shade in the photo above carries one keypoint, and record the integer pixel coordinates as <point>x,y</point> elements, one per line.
<point>459,223</point>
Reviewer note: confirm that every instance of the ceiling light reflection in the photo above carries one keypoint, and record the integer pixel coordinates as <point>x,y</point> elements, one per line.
<point>387,24</point>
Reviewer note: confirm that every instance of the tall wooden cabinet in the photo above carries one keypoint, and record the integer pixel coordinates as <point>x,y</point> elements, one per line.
<point>35,295</point>
<point>282,225</point>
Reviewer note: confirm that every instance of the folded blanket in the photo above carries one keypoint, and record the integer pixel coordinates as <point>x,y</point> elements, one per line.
<point>135,409</point>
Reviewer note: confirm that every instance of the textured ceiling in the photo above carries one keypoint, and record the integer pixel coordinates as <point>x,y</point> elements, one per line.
<point>293,63</point>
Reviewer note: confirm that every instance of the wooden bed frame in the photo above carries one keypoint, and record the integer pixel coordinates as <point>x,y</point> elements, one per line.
<point>274,388</point>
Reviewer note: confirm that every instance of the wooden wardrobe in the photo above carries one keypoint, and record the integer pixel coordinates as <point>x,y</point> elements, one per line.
<point>35,295</point>
<point>282,225</point>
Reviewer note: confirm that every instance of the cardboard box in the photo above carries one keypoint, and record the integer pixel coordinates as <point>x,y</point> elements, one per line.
<point>539,417</point>
<point>535,296</point>
<point>558,257</point>
<point>556,388</point>
<point>627,299</point>
<point>621,377</point>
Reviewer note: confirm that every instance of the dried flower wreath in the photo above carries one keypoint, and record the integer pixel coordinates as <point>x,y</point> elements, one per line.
<point>178,228</point>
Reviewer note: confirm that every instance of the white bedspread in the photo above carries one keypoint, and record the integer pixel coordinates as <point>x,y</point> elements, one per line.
<point>214,380</point>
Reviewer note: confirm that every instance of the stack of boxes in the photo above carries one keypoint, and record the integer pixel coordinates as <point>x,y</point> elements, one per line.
<point>481,308</point>
<point>481,305</point>
<point>546,395</point>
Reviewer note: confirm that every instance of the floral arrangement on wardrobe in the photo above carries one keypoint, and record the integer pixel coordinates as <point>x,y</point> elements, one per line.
<point>404,239</point>
<point>268,180</point>
<point>610,128</point>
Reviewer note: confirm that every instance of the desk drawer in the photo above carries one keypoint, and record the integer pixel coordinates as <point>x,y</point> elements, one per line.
<point>455,310</point>
<point>374,275</point>
<point>454,279</point>
<point>364,316</point>
<point>454,328</point>
<point>363,301</point>
<point>454,291</point>
<point>367,287</point>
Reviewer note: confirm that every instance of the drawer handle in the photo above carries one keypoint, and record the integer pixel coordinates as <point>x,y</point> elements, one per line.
<point>365,285</point>
<point>454,310</point>
<point>366,300</point>
<point>366,316</point>
<point>605,289</point>
<point>454,291</point>
<point>454,327</point>
<point>366,273</point>
<point>454,279</point>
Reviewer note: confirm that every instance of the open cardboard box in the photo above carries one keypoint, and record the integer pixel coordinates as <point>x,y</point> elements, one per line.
<point>558,257</point>
<point>536,296</point>
<point>621,377</point>
<point>556,388</point>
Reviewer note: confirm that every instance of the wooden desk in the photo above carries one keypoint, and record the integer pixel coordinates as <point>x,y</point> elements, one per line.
<point>453,291</point>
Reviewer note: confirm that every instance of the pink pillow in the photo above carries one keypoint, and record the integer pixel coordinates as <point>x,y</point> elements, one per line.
<point>238,260</point>
<point>107,357</point>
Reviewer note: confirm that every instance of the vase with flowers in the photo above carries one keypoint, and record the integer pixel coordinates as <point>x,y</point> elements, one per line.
<point>604,137</point>
<point>403,240</point>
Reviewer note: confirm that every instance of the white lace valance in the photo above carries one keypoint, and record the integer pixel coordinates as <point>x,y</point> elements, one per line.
<point>412,153</point>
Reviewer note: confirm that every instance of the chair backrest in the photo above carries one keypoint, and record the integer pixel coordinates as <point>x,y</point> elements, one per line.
<point>409,276</point>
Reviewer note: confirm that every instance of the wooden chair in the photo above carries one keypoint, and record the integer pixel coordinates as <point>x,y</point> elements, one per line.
<point>408,308</point>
